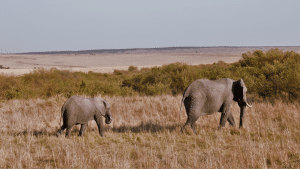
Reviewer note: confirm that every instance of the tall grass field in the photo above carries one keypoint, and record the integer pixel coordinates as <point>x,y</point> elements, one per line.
<point>145,133</point>
<point>145,106</point>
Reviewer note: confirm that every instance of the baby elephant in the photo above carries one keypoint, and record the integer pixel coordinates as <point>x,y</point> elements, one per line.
<point>79,110</point>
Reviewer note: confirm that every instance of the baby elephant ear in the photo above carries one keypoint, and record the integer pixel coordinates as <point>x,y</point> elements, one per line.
<point>106,105</point>
<point>100,105</point>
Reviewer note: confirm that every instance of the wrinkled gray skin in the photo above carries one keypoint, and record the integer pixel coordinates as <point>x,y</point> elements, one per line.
<point>205,97</point>
<point>79,110</point>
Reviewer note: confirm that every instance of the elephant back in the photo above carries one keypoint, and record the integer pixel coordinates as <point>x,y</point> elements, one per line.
<point>80,103</point>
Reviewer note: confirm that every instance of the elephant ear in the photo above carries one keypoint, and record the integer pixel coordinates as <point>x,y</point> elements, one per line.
<point>106,105</point>
<point>243,86</point>
<point>238,90</point>
<point>241,82</point>
<point>100,105</point>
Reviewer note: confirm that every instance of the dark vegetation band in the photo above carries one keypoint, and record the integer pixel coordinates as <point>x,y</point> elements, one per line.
<point>271,74</point>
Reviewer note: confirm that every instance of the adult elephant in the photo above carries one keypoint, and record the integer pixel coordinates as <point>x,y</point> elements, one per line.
<point>79,110</point>
<point>205,97</point>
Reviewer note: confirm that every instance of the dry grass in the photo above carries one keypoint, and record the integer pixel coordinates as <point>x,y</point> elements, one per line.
<point>145,134</point>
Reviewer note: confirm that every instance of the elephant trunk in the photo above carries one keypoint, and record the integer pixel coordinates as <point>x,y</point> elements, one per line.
<point>108,118</point>
<point>242,111</point>
<point>243,103</point>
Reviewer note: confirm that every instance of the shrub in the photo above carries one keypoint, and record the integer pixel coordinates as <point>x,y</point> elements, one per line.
<point>271,74</point>
<point>2,67</point>
<point>132,68</point>
<point>117,72</point>
<point>13,93</point>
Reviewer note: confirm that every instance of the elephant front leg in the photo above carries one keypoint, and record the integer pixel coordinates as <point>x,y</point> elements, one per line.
<point>99,122</point>
<point>82,129</point>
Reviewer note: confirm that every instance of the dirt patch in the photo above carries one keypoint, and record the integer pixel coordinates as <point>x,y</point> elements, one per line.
<point>106,63</point>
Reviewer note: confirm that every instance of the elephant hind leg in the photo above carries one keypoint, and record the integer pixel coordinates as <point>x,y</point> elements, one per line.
<point>82,129</point>
<point>226,117</point>
<point>192,123</point>
<point>68,131</point>
<point>231,120</point>
<point>193,126</point>
<point>183,127</point>
<point>59,131</point>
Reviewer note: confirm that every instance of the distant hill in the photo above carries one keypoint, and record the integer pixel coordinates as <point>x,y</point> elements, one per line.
<point>187,49</point>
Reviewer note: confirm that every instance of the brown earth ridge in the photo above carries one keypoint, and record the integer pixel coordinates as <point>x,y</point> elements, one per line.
<point>183,49</point>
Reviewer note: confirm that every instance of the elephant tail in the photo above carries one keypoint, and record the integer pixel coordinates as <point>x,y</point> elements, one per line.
<point>63,108</point>
<point>183,97</point>
<point>180,107</point>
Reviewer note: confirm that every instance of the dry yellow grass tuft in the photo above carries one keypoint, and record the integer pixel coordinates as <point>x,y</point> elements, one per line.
<point>145,134</point>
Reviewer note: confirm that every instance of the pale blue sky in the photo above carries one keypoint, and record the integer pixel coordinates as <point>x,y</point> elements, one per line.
<point>60,25</point>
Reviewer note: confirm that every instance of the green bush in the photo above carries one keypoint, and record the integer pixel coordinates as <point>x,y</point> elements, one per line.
<point>132,69</point>
<point>274,73</point>
<point>13,93</point>
<point>270,74</point>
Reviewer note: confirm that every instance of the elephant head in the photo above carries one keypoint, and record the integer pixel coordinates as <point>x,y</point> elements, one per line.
<point>239,90</point>
<point>104,109</point>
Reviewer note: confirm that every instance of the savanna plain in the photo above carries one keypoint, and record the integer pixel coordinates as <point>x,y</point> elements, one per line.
<point>145,132</point>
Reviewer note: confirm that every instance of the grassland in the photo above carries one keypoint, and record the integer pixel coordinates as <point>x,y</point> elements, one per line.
<point>145,104</point>
<point>145,133</point>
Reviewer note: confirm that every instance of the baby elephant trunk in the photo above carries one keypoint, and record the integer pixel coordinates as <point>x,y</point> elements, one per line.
<point>108,118</point>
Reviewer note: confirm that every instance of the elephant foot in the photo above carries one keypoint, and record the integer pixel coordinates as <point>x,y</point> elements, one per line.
<point>58,133</point>
<point>232,125</point>
<point>102,134</point>
<point>181,129</point>
<point>220,128</point>
<point>194,129</point>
